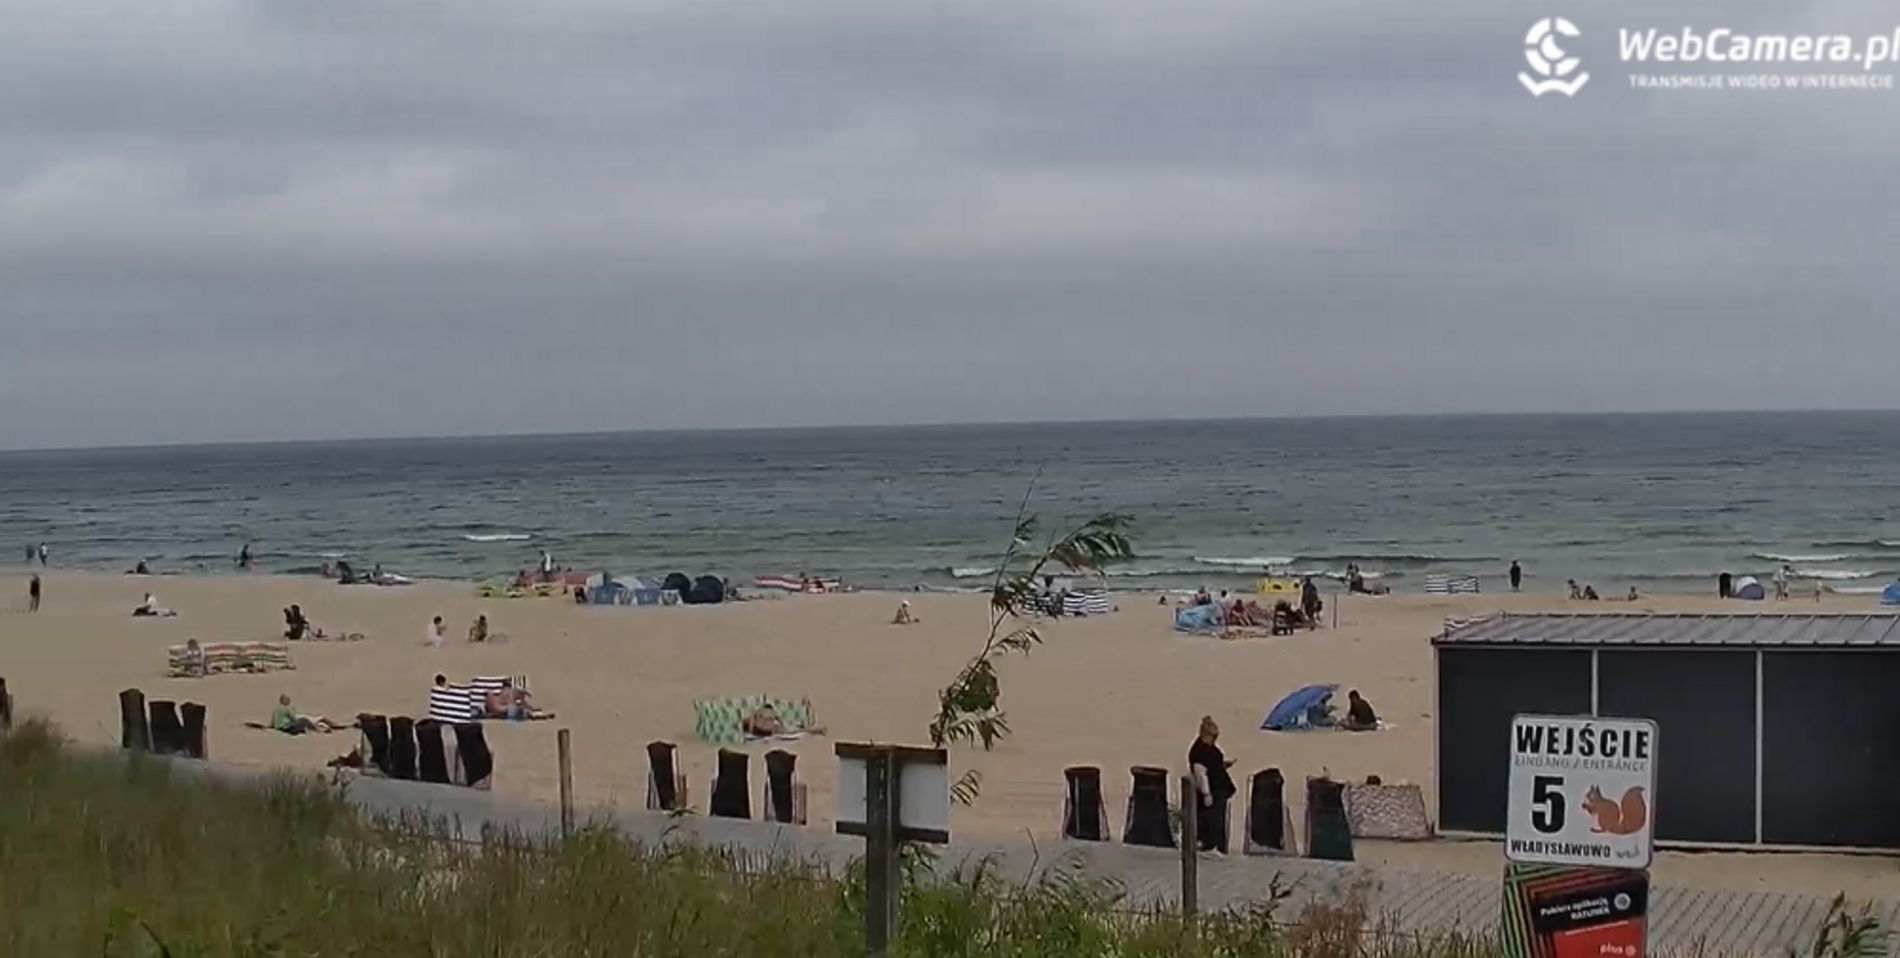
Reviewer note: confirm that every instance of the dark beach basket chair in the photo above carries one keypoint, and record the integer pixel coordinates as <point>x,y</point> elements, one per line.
<point>1149,821</point>
<point>192,714</point>
<point>402,747</point>
<point>432,760</point>
<point>135,731</point>
<point>474,763</point>
<point>1084,813</point>
<point>784,793</point>
<point>731,789</point>
<point>666,784</point>
<point>1269,824</point>
<point>168,733</point>
<point>1328,832</point>
<point>375,732</point>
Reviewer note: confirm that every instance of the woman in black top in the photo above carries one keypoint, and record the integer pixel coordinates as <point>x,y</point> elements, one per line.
<point>1213,786</point>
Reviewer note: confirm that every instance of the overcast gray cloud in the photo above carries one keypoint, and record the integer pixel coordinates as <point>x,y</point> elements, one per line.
<point>230,220</point>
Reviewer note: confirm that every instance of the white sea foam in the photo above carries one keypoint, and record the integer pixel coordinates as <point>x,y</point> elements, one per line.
<point>497,537</point>
<point>1818,557</point>
<point>1249,562</point>
<point>972,571</point>
<point>1836,575</point>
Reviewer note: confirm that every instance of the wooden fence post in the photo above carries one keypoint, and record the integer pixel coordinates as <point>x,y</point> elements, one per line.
<point>562,743</point>
<point>6,708</point>
<point>1190,847</point>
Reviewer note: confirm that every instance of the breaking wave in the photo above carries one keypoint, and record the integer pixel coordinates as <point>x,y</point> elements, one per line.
<point>496,536</point>
<point>1818,557</point>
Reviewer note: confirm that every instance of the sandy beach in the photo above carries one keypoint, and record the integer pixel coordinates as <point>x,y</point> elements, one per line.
<point>1113,691</point>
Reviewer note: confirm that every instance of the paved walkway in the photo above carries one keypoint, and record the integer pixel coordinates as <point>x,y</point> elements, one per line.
<point>1681,919</point>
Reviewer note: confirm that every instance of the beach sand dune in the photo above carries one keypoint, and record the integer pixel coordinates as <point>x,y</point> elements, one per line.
<point>1115,691</point>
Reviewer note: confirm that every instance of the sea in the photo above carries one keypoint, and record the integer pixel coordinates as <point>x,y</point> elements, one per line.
<point>1662,502</point>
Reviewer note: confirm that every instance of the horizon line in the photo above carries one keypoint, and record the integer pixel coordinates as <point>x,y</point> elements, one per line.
<point>938,424</point>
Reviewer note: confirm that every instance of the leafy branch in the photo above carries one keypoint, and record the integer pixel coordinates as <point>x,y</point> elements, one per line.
<point>968,709</point>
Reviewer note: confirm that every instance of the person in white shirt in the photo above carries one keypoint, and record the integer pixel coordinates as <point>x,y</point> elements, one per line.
<point>547,565</point>
<point>435,634</point>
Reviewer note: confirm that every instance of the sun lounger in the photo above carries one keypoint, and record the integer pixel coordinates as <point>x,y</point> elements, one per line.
<point>1328,833</point>
<point>1148,821</point>
<point>168,732</point>
<point>1269,824</point>
<point>666,785</point>
<point>432,760</point>
<point>731,791</point>
<point>474,763</point>
<point>784,793</point>
<point>1084,814</point>
<point>402,747</point>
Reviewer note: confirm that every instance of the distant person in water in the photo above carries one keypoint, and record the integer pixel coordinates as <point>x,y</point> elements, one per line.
<point>1517,575</point>
<point>33,594</point>
<point>244,557</point>
<point>42,553</point>
<point>141,569</point>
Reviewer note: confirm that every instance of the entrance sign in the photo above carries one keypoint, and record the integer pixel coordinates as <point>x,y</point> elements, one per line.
<point>1582,791</point>
<point>890,794</point>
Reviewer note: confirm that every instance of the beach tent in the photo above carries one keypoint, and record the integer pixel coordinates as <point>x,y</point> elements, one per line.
<point>603,590</point>
<point>1290,713</point>
<point>1747,587</point>
<point>1891,594</point>
<point>1085,602</point>
<point>1451,584</point>
<point>677,582</point>
<point>706,590</point>
<point>1197,618</point>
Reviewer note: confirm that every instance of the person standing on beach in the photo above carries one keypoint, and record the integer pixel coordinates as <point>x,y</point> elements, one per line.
<point>547,566</point>
<point>1517,575</point>
<point>33,594</point>
<point>1781,580</point>
<point>42,554</point>
<point>1213,785</point>
<point>244,557</point>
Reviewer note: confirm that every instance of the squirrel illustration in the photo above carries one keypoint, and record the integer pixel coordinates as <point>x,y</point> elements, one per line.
<point>1624,817</point>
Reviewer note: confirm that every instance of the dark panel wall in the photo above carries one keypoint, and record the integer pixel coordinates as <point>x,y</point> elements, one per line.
<point>1479,689</point>
<point>1831,748</point>
<point>1703,704</point>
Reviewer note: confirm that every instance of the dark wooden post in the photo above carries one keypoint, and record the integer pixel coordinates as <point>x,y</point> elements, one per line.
<point>135,732</point>
<point>880,853</point>
<point>1190,846</point>
<point>561,744</point>
<point>197,738</point>
<point>6,708</point>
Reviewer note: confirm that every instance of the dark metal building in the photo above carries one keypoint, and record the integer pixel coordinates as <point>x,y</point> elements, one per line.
<point>1773,729</point>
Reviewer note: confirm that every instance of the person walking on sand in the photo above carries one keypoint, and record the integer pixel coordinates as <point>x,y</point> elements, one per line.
<point>1781,580</point>
<point>1213,785</point>
<point>42,554</point>
<point>435,634</point>
<point>33,594</point>
<point>1517,575</point>
<point>244,557</point>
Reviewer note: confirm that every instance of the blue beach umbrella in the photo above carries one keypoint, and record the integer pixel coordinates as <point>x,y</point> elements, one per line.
<point>1291,712</point>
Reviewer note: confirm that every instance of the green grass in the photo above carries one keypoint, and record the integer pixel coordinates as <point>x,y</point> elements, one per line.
<point>105,856</point>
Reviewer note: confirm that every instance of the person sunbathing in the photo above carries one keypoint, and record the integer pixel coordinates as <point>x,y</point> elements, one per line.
<point>1359,714</point>
<point>150,607</point>
<point>903,616</point>
<point>763,723</point>
<point>284,720</point>
<point>512,704</point>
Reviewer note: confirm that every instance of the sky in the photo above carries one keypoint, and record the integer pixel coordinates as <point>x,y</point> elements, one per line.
<point>225,220</point>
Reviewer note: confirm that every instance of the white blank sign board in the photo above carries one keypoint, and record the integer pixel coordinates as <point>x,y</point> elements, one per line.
<point>923,794</point>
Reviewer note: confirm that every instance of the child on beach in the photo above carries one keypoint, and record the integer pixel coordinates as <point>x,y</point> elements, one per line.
<point>903,616</point>
<point>435,634</point>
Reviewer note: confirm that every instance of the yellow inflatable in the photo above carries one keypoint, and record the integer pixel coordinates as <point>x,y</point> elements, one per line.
<point>1271,584</point>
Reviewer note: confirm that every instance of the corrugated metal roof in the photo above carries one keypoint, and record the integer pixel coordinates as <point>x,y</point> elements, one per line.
<point>1654,629</point>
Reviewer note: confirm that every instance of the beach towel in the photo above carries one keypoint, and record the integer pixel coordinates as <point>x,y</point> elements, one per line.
<point>474,763</point>
<point>731,791</point>
<point>1084,813</point>
<point>1391,812</point>
<point>1328,833</point>
<point>666,785</point>
<point>402,747</point>
<point>454,704</point>
<point>721,721</point>
<point>1148,819</point>
<point>784,793</point>
<point>1269,829</point>
<point>432,760</point>
<point>1197,618</point>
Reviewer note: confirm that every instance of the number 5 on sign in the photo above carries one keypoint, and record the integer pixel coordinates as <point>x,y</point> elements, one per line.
<point>1582,791</point>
